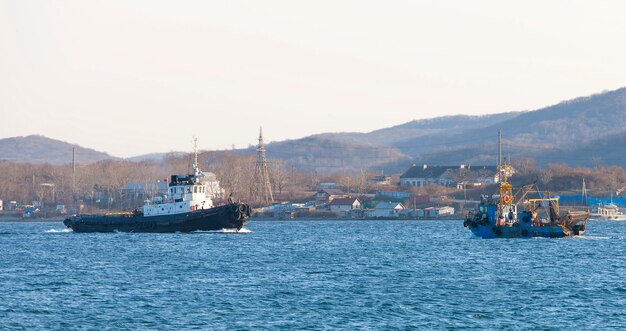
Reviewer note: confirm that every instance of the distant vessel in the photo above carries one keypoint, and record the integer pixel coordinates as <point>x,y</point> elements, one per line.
<point>607,212</point>
<point>498,215</point>
<point>185,208</point>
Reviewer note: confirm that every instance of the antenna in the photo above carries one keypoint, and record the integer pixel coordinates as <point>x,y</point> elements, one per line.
<point>262,190</point>
<point>196,168</point>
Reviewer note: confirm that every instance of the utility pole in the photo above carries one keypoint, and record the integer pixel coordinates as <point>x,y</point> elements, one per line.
<point>73,171</point>
<point>262,190</point>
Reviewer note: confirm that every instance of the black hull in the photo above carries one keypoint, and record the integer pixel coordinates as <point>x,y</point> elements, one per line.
<point>230,217</point>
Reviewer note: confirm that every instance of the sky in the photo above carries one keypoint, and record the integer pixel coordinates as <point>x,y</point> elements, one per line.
<point>144,76</point>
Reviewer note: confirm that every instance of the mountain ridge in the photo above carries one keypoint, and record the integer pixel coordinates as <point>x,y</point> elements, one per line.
<point>573,131</point>
<point>41,149</point>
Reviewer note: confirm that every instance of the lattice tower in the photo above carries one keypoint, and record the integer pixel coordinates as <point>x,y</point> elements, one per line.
<point>263,188</point>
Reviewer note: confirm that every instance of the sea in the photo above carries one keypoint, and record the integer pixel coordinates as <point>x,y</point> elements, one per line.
<point>311,275</point>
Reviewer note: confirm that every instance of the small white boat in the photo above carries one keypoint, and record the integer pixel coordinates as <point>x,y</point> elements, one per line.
<point>607,212</point>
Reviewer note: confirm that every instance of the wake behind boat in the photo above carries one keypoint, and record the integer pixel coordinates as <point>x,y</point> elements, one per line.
<point>186,208</point>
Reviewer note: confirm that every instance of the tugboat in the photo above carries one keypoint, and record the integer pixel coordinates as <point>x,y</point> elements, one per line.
<point>498,215</point>
<point>186,208</point>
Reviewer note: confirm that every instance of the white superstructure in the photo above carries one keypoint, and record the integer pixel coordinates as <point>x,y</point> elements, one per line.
<point>186,193</point>
<point>608,212</point>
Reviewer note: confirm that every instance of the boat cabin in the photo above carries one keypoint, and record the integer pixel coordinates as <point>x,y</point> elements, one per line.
<point>185,194</point>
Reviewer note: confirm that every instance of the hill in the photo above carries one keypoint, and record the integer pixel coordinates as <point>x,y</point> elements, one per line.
<point>580,132</point>
<point>325,155</point>
<point>39,149</point>
<point>420,129</point>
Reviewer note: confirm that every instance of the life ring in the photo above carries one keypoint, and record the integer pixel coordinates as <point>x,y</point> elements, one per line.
<point>506,199</point>
<point>526,219</point>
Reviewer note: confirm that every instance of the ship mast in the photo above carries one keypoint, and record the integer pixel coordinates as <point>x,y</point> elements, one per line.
<point>499,154</point>
<point>196,169</point>
<point>506,190</point>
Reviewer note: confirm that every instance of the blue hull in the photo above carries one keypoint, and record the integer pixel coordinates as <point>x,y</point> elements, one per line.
<point>485,225</point>
<point>548,231</point>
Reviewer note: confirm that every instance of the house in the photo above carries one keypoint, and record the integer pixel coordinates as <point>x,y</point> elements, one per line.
<point>328,195</point>
<point>450,176</point>
<point>343,206</point>
<point>386,210</point>
<point>426,175</point>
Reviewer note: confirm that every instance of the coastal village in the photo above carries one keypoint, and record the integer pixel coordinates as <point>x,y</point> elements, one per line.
<point>421,192</point>
<point>332,200</point>
<point>389,197</point>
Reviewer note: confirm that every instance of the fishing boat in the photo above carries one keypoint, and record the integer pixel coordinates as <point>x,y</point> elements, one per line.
<point>185,208</point>
<point>503,215</point>
<point>607,212</point>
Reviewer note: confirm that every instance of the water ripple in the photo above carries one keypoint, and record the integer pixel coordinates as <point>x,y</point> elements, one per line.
<point>311,275</point>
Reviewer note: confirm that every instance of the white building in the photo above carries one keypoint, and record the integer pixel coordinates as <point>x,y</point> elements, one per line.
<point>386,210</point>
<point>345,205</point>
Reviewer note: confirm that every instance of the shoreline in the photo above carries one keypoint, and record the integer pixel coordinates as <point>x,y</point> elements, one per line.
<point>311,219</point>
<point>44,220</point>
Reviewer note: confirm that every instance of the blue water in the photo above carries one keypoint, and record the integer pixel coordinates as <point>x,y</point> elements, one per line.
<point>311,275</point>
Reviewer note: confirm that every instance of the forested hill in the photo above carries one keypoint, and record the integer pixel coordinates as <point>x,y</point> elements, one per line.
<point>581,132</point>
<point>587,131</point>
<point>39,149</point>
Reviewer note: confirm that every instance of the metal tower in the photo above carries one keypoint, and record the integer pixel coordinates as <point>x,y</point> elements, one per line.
<point>262,187</point>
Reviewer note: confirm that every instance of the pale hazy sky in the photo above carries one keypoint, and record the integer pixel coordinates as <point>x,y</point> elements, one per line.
<point>136,77</point>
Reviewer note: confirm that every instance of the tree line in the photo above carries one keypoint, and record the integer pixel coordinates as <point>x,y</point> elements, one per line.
<point>101,184</point>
